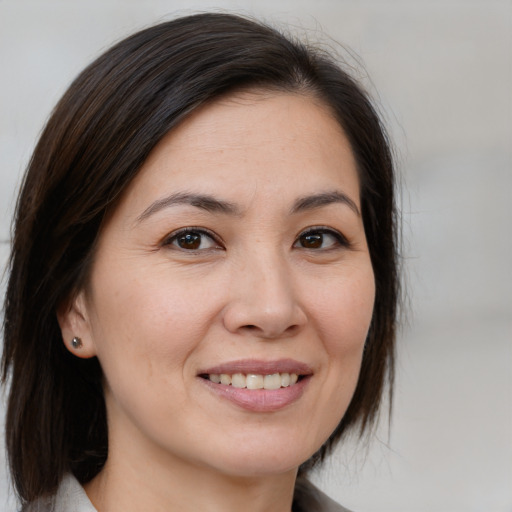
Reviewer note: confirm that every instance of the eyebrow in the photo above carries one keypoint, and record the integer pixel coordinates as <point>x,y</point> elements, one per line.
<point>324,199</point>
<point>203,201</point>
<point>213,205</point>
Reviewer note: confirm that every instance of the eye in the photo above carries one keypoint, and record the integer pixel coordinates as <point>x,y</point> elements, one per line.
<point>320,238</point>
<point>192,239</point>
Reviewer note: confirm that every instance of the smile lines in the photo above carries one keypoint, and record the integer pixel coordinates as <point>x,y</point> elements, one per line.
<point>254,381</point>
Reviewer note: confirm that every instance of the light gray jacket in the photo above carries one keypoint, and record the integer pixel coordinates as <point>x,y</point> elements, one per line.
<point>71,497</point>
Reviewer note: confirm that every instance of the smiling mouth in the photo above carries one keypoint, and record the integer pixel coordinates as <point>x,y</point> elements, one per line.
<point>258,385</point>
<point>254,380</point>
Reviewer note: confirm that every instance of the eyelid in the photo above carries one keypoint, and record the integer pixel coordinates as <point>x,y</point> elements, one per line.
<point>340,237</point>
<point>169,238</point>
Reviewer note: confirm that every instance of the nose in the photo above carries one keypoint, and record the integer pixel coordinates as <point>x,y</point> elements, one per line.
<point>263,300</point>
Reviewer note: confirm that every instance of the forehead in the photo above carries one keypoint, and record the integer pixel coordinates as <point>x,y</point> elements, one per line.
<point>243,143</point>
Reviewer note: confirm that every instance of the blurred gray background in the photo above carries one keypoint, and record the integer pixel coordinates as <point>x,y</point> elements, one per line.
<point>443,74</point>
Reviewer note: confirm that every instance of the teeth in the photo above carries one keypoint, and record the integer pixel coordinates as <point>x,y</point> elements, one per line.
<point>215,378</point>
<point>272,381</point>
<point>238,380</point>
<point>225,379</point>
<point>255,381</point>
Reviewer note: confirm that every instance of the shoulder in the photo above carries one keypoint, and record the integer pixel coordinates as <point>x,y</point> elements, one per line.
<point>309,498</point>
<point>70,497</point>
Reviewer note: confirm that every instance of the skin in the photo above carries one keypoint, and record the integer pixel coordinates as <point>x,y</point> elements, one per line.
<point>155,313</point>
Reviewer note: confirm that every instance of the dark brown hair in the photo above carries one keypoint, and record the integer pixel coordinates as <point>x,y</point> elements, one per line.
<point>93,145</point>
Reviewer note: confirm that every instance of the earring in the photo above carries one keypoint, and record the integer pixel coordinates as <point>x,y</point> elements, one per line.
<point>76,342</point>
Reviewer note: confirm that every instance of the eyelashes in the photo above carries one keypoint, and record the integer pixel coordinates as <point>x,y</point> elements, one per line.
<point>193,239</point>
<point>321,238</point>
<point>197,239</point>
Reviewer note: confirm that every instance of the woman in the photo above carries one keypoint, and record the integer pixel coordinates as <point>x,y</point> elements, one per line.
<point>203,283</point>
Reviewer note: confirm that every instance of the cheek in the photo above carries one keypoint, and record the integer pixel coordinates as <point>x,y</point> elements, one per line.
<point>145,327</point>
<point>343,315</point>
<point>344,309</point>
<point>341,310</point>
<point>148,323</point>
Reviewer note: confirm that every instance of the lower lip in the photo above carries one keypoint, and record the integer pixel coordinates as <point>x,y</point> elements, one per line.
<point>259,400</point>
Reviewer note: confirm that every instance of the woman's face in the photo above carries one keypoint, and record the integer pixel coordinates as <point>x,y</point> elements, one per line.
<point>237,253</point>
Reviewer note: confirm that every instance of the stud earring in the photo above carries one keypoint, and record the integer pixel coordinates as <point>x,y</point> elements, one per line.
<point>76,342</point>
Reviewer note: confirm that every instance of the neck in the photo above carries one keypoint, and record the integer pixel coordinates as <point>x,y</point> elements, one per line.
<point>129,482</point>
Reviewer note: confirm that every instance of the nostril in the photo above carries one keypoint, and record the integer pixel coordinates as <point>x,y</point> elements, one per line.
<point>255,330</point>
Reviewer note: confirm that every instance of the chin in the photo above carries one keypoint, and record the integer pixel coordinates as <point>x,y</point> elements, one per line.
<point>263,462</point>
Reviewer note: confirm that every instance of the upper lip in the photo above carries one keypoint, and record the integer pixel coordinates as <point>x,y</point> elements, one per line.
<point>259,367</point>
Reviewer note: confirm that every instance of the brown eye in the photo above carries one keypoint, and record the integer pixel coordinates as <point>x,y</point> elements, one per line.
<point>312,241</point>
<point>189,241</point>
<point>192,240</point>
<point>321,239</point>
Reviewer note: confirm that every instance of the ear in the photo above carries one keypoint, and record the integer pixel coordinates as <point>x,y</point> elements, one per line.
<point>74,323</point>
